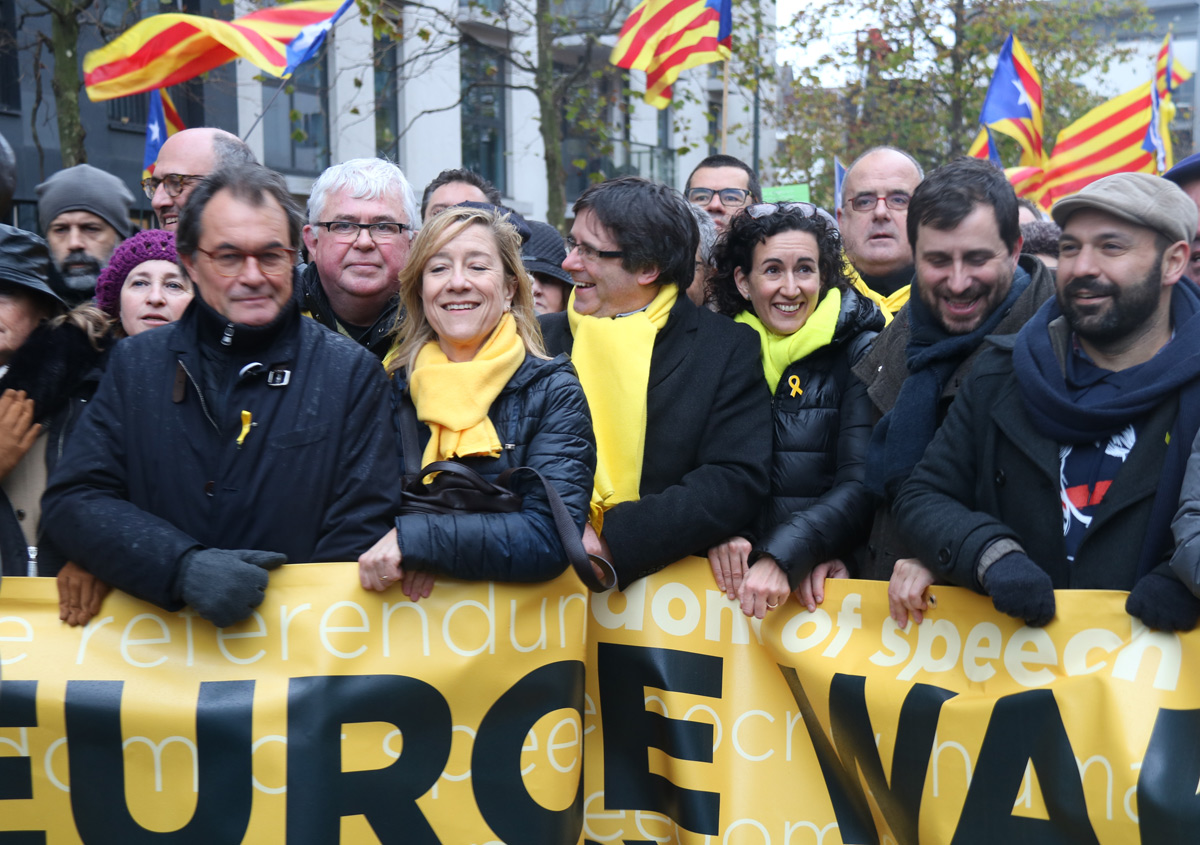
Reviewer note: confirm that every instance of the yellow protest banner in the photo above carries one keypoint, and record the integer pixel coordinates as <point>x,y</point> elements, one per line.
<point>837,727</point>
<point>337,715</point>
<point>332,714</point>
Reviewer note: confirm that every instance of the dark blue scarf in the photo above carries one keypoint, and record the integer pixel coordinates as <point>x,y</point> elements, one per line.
<point>1077,413</point>
<point>932,355</point>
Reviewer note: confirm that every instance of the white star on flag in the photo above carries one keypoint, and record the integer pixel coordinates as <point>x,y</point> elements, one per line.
<point>154,130</point>
<point>1023,96</point>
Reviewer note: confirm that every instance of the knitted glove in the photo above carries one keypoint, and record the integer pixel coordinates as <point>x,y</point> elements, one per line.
<point>1020,588</point>
<point>1163,603</point>
<point>223,585</point>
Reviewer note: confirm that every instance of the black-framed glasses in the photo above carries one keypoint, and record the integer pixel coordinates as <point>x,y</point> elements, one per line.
<point>590,252</point>
<point>173,184</point>
<point>730,197</point>
<point>807,209</point>
<point>346,230</point>
<point>865,203</point>
<point>271,262</point>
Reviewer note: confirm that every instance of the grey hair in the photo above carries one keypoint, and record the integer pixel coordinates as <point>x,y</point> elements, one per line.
<point>708,232</point>
<point>230,151</point>
<point>364,179</point>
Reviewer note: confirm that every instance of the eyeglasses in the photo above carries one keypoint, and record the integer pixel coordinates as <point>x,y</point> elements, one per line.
<point>173,183</point>
<point>864,203</point>
<point>730,197</point>
<point>591,253</point>
<point>272,262</point>
<point>806,209</point>
<point>344,230</point>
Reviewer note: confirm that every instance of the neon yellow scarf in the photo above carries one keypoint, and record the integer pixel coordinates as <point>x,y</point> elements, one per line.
<point>781,351</point>
<point>453,398</point>
<point>612,358</point>
<point>890,305</point>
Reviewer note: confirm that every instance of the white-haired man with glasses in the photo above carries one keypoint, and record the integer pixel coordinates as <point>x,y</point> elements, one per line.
<point>361,218</point>
<point>234,439</point>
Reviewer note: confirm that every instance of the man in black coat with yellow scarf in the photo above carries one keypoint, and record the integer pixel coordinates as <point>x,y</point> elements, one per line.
<point>679,405</point>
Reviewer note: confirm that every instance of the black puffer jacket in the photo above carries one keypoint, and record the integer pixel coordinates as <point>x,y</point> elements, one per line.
<point>819,507</point>
<point>542,418</point>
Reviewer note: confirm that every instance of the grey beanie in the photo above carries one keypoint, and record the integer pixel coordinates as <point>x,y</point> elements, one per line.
<point>85,188</point>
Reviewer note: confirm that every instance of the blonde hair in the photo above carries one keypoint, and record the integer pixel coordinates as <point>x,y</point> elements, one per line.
<point>88,319</point>
<point>413,331</point>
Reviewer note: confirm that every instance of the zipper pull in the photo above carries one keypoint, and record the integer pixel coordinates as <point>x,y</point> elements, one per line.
<point>227,337</point>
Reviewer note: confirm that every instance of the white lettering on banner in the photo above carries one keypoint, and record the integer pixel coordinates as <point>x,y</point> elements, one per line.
<point>223,635</point>
<point>127,640</point>
<point>26,637</point>
<point>715,605</point>
<point>1016,657</point>
<point>1078,648</point>
<point>849,620</point>
<point>928,633</point>
<point>790,636</point>
<point>757,825</point>
<point>563,601</point>
<point>285,621</point>
<point>553,747</point>
<point>489,644</point>
<point>156,751</point>
<point>1170,656</point>
<point>609,815</point>
<point>938,748</point>
<point>531,744</point>
<point>326,629</point>
<point>640,817</point>
<point>737,744</point>
<point>660,609</point>
<point>1108,792</point>
<point>48,762</point>
<point>819,832</point>
<point>630,617</point>
<point>187,615</point>
<point>389,609</point>
<point>983,642</point>
<point>89,630</point>
<point>540,643</point>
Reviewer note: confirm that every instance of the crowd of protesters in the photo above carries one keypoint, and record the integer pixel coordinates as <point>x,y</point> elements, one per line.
<point>933,383</point>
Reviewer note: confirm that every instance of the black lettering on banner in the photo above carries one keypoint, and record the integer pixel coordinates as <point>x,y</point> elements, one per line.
<point>500,792</point>
<point>1025,727</point>
<point>18,709</point>
<point>1168,808</point>
<point>630,729</point>
<point>224,713</point>
<point>320,793</point>
<point>854,737</point>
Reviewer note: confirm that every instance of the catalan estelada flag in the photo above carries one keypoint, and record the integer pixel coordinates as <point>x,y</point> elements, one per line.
<point>164,50</point>
<point>1013,106</point>
<point>984,147</point>
<point>666,37</point>
<point>162,121</point>
<point>1108,139</point>
<point>1168,81</point>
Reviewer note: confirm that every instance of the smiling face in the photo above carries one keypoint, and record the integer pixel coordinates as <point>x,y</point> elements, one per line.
<point>252,297</point>
<point>464,292</point>
<point>784,283</point>
<point>155,293</point>
<point>876,241</point>
<point>1114,279</point>
<point>603,287</point>
<point>964,273</point>
<point>189,152</point>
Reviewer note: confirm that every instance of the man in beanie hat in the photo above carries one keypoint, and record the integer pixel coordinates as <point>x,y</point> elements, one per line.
<point>543,255</point>
<point>1060,462</point>
<point>85,214</point>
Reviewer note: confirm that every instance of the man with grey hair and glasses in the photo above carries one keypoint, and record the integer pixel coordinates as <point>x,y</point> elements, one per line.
<point>183,160</point>
<point>361,217</point>
<point>237,438</point>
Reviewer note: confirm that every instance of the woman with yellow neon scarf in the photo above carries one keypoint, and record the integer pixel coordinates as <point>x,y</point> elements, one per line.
<point>780,271</point>
<point>469,361</point>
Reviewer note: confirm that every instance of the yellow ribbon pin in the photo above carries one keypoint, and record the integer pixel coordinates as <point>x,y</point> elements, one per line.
<point>794,384</point>
<point>246,423</point>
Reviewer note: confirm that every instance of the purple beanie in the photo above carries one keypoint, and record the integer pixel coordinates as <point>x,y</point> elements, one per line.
<point>150,245</point>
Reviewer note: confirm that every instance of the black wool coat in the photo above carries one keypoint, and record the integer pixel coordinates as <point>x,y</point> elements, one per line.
<point>990,475</point>
<point>708,441</point>
<point>820,507</point>
<point>150,474</point>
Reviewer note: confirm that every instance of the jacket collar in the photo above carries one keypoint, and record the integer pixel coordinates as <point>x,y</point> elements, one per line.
<point>275,343</point>
<point>315,303</point>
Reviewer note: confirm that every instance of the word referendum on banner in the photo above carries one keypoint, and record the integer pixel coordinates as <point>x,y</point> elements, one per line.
<point>329,713</point>
<point>338,715</point>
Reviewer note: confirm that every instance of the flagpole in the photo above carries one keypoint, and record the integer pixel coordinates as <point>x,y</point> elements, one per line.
<point>725,108</point>
<point>282,84</point>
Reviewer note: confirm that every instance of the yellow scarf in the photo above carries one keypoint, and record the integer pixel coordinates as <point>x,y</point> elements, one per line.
<point>890,305</point>
<point>453,398</point>
<point>612,358</point>
<point>780,351</point>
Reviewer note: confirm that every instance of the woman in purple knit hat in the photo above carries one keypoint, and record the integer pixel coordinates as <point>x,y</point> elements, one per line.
<point>143,286</point>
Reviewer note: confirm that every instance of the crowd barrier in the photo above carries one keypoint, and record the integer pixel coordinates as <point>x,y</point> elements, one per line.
<point>496,713</point>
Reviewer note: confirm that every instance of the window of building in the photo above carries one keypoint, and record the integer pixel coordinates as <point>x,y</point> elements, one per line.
<point>484,116</point>
<point>387,110</point>
<point>10,73</point>
<point>296,125</point>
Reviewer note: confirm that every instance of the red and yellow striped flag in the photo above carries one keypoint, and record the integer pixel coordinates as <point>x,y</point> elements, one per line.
<point>666,37</point>
<point>165,50</point>
<point>1167,83</point>
<point>1108,139</point>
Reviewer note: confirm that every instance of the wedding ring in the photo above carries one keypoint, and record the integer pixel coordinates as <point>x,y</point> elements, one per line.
<point>385,577</point>
<point>772,606</point>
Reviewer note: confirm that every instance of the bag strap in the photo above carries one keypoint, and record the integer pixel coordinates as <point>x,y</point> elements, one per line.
<point>463,472</point>
<point>410,438</point>
<point>581,561</point>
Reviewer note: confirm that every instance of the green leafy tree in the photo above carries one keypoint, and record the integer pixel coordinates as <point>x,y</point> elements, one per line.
<point>915,73</point>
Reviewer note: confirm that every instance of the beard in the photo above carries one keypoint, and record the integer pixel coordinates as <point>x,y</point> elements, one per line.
<point>80,271</point>
<point>1128,309</point>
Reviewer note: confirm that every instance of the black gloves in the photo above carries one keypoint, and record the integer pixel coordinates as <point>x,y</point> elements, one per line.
<point>1021,588</point>
<point>1163,603</point>
<point>223,585</point>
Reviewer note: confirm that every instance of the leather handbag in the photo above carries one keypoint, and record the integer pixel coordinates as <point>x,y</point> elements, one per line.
<point>456,487</point>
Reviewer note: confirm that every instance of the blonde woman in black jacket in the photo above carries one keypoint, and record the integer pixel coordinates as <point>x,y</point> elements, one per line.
<point>779,270</point>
